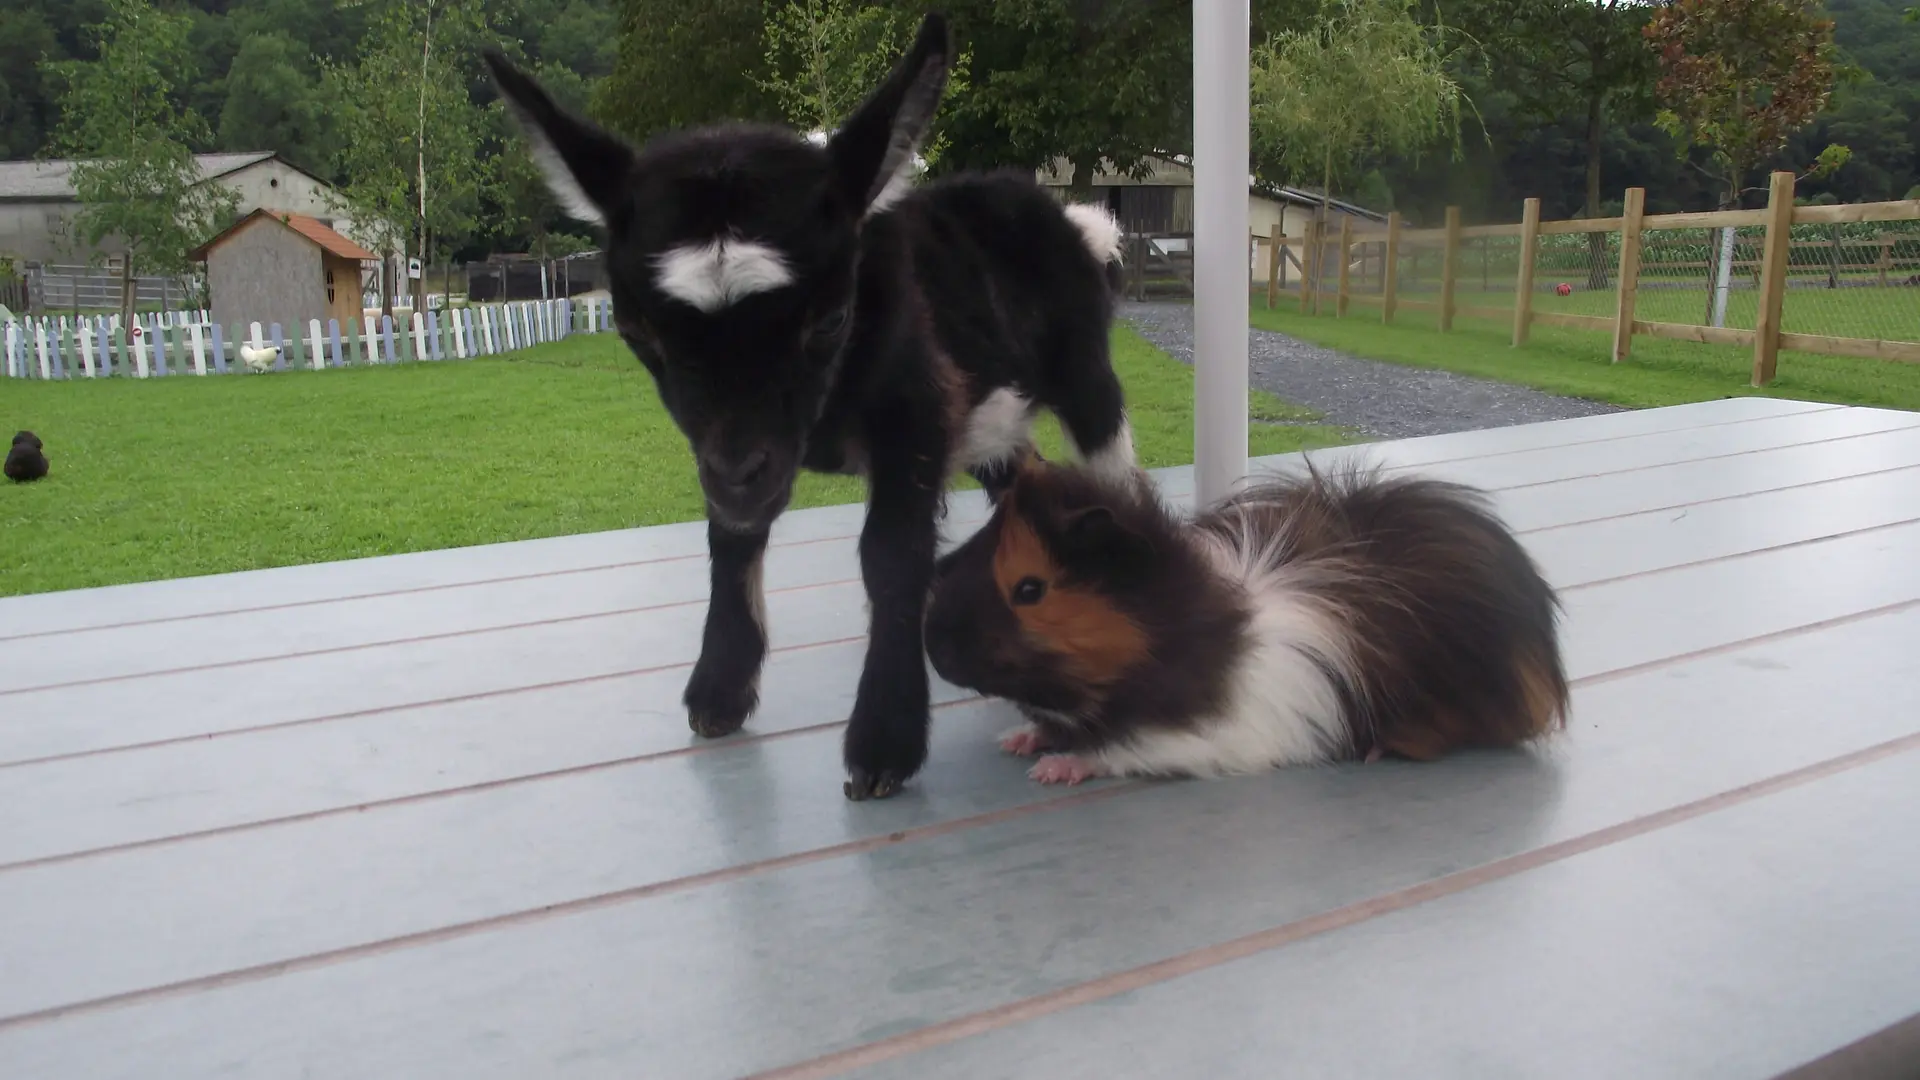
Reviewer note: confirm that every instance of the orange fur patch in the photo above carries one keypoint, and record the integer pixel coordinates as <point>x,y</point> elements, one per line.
<point>1098,640</point>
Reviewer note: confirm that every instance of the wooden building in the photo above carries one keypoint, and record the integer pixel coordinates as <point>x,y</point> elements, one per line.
<point>280,267</point>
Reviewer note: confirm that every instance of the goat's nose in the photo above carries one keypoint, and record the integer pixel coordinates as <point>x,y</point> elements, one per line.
<point>742,472</point>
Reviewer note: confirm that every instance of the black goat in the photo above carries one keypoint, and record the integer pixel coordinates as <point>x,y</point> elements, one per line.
<point>804,305</point>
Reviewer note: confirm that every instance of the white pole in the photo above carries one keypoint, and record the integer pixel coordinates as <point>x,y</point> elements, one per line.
<point>1724,281</point>
<point>1220,279</point>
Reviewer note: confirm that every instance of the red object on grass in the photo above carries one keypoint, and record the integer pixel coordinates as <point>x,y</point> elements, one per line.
<point>1563,289</point>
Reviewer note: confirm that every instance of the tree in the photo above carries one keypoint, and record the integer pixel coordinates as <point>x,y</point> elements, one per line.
<point>1090,82</point>
<point>824,57</point>
<point>273,101</point>
<point>411,135</point>
<point>1557,59</point>
<point>137,179</point>
<point>1739,77</point>
<point>684,63</point>
<point>1365,79</point>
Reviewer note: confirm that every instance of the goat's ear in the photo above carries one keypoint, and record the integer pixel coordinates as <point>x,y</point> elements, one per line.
<point>874,149</point>
<point>585,166</point>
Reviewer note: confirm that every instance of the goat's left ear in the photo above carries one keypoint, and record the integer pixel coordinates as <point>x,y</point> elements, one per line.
<point>586,167</point>
<point>874,149</point>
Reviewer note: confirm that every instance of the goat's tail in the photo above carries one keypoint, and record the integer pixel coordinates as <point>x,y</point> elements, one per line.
<point>1104,239</point>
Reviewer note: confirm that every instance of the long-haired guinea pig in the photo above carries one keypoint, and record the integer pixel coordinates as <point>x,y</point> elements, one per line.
<point>1332,615</point>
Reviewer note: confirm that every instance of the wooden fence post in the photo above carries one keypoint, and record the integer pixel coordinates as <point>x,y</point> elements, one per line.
<point>1390,273</point>
<point>1449,268</point>
<point>1773,278</point>
<point>1307,260</point>
<point>1275,239</point>
<point>1629,281</point>
<point>1346,257</point>
<point>1523,284</point>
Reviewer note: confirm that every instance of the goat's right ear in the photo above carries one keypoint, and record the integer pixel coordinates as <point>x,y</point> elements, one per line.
<point>874,149</point>
<point>585,166</point>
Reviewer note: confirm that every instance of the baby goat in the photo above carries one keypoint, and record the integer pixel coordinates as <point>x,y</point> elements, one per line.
<point>804,305</point>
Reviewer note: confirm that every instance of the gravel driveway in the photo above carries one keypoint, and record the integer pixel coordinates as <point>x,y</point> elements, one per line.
<point>1384,400</point>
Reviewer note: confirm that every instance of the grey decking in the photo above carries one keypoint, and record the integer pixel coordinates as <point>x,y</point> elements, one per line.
<point>440,815</point>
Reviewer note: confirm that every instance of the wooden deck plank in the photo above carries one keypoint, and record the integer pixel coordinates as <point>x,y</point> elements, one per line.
<point>195,786</point>
<point>82,719</point>
<point>128,650</point>
<point>494,852</point>
<point>146,601</point>
<point>1696,957</point>
<point>775,967</point>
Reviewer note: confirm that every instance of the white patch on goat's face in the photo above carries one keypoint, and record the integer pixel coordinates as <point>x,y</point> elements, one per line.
<point>566,190</point>
<point>999,428</point>
<point>712,275</point>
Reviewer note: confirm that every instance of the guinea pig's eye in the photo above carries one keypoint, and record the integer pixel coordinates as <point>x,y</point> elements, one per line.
<point>1028,591</point>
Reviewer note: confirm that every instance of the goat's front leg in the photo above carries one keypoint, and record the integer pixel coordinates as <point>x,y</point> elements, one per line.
<point>886,739</point>
<point>725,687</point>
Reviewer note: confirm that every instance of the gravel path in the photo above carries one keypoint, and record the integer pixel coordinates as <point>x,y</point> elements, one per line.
<point>1385,400</point>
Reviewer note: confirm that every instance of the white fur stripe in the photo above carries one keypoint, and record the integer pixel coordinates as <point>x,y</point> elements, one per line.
<point>997,429</point>
<point>712,275</point>
<point>566,190</point>
<point>1114,461</point>
<point>1098,230</point>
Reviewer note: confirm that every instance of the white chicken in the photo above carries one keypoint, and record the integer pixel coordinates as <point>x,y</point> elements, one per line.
<point>258,359</point>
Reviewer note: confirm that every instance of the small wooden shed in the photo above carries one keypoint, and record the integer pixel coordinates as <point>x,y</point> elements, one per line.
<point>273,266</point>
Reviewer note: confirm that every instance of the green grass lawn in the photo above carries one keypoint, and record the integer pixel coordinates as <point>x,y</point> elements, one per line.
<point>1891,313</point>
<point>1576,362</point>
<point>183,476</point>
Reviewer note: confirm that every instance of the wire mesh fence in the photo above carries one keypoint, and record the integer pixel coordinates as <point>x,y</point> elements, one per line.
<point>1839,280</point>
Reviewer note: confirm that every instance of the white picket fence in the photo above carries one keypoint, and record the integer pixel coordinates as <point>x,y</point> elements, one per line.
<point>183,343</point>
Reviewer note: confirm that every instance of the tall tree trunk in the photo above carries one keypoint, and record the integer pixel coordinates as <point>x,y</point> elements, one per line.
<point>1080,190</point>
<point>420,158</point>
<point>128,287</point>
<point>1596,242</point>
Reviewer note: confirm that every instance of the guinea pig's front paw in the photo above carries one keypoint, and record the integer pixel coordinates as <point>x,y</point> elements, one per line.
<point>1065,769</point>
<point>1023,741</point>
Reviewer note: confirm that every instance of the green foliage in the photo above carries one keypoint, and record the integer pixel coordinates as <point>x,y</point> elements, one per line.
<point>1739,77</point>
<point>1365,80</point>
<point>274,99</point>
<point>682,63</point>
<point>137,180</point>
<point>411,134</point>
<point>1065,78</point>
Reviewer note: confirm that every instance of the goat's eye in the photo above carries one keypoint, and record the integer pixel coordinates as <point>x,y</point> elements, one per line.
<point>831,323</point>
<point>1028,591</point>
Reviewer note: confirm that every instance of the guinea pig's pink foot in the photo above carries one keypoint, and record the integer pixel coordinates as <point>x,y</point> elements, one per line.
<point>1374,755</point>
<point>1024,741</point>
<point>1065,769</point>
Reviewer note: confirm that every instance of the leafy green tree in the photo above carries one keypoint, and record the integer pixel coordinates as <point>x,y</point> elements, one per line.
<point>1365,80</point>
<point>684,63</point>
<point>136,178</point>
<point>411,136</point>
<point>1104,82</point>
<point>1739,77</point>
<point>273,101</point>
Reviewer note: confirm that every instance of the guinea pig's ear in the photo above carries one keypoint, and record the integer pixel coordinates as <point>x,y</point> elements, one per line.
<point>1095,531</point>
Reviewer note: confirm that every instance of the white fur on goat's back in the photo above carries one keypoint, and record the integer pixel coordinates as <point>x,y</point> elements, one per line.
<point>1282,706</point>
<point>998,429</point>
<point>1098,230</point>
<point>712,275</point>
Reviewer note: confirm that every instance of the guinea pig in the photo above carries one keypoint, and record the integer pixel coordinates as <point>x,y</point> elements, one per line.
<point>26,460</point>
<point>1331,615</point>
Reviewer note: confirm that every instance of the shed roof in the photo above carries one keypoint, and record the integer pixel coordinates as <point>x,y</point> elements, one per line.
<point>311,228</point>
<point>52,179</point>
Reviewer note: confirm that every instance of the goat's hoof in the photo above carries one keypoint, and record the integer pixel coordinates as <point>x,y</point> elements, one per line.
<point>716,710</point>
<point>862,785</point>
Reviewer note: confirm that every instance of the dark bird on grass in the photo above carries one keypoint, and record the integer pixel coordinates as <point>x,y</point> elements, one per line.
<point>26,461</point>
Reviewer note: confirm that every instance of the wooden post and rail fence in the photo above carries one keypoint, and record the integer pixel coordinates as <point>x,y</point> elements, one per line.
<point>1384,250</point>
